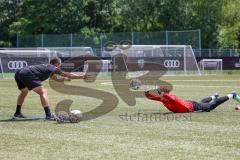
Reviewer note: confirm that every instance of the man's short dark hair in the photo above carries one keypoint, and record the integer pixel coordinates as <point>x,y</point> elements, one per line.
<point>55,60</point>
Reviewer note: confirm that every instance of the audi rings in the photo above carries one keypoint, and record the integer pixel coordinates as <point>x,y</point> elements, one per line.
<point>14,65</point>
<point>171,63</point>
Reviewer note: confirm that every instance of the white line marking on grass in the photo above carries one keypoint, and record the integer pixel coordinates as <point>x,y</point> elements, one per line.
<point>107,84</point>
<point>197,86</point>
<point>174,80</point>
<point>188,86</point>
<point>187,80</point>
<point>199,80</point>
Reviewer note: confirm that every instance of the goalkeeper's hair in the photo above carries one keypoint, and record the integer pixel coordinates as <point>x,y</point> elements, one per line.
<point>55,60</point>
<point>164,89</point>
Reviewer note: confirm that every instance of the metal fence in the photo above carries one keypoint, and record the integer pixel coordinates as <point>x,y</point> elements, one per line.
<point>216,52</point>
<point>98,40</point>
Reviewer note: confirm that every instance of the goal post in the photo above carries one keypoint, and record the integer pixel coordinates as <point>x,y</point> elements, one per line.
<point>177,59</point>
<point>211,66</point>
<point>1,69</point>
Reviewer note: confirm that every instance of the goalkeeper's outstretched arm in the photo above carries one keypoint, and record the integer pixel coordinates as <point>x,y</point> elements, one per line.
<point>153,96</point>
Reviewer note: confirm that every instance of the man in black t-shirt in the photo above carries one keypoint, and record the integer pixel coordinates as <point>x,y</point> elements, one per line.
<point>31,78</point>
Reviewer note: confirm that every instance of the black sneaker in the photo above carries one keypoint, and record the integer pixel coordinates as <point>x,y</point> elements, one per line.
<point>15,116</point>
<point>234,93</point>
<point>50,118</point>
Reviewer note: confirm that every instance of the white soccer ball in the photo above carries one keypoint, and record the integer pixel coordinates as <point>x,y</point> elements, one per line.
<point>75,116</point>
<point>76,112</point>
<point>135,84</point>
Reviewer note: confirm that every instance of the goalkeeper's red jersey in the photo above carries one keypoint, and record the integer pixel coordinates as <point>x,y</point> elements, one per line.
<point>172,102</point>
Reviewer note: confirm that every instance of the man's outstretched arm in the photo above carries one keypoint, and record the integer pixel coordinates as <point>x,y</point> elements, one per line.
<point>74,75</point>
<point>59,78</point>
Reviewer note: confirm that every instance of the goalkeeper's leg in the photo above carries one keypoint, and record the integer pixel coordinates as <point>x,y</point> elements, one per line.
<point>207,107</point>
<point>221,100</point>
<point>209,99</point>
<point>217,102</point>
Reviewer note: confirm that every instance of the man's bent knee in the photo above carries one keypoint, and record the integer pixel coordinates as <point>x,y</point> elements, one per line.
<point>40,90</point>
<point>24,91</point>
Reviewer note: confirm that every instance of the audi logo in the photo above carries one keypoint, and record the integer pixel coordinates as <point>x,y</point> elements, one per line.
<point>171,63</point>
<point>13,65</point>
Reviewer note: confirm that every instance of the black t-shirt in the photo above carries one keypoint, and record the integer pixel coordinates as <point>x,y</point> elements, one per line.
<point>44,71</point>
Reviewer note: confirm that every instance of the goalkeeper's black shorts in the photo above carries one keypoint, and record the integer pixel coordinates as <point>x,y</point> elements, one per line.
<point>201,107</point>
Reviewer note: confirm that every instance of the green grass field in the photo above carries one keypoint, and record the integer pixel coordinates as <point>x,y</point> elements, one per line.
<point>213,135</point>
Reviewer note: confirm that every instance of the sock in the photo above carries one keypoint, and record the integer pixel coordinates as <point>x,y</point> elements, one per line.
<point>47,111</point>
<point>237,98</point>
<point>18,109</point>
<point>213,97</point>
<point>230,96</point>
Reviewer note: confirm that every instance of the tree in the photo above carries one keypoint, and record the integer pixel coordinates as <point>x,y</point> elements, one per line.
<point>229,29</point>
<point>217,19</point>
<point>204,15</point>
<point>10,11</point>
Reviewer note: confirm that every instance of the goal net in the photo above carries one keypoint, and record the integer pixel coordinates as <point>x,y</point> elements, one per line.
<point>176,59</point>
<point>97,66</point>
<point>14,59</point>
<point>211,66</point>
<point>80,59</point>
<point>70,52</point>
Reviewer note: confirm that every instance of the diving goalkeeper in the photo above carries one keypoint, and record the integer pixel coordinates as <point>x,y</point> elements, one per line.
<point>178,105</point>
<point>31,78</point>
